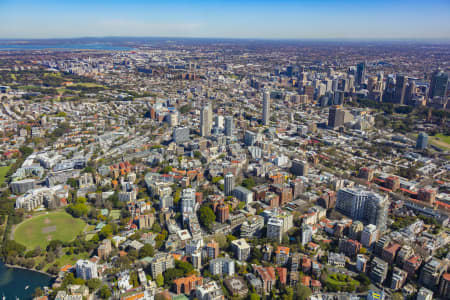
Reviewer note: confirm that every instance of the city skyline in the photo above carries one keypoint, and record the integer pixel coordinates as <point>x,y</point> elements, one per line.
<point>252,19</point>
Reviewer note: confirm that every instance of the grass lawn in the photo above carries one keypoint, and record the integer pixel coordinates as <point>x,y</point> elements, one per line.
<point>40,230</point>
<point>115,214</point>
<point>3,171</point>
<point>340,282</point>
<point>88,84</point>
<point>441,141</point>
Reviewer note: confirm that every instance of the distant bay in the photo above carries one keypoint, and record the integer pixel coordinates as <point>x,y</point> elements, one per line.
<point>63,46</point>
<point>13,282</point>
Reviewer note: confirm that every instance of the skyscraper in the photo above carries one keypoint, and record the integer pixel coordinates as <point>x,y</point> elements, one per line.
<point>228,125</point>
<point>400,89</point>
<point>360,73</point>
<point>229,184</point>
<point>266,108</point>
<point>422,141</point>
<point>439,84</point>
<point>205,121</point>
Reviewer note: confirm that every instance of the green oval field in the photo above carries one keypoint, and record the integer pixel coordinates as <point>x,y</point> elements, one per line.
<point>40,230</point>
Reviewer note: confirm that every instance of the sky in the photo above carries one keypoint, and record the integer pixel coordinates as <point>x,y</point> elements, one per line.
<point>282,19</point>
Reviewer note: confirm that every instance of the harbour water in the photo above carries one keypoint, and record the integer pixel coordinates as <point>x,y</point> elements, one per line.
<point>14,281</point>
<point>65,46</point>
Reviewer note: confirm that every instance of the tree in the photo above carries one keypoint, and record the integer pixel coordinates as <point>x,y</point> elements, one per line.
<point>207,216</point>
<point>160,280</point>
<point>106,232</point>
<point>254,296</point>
<point>302,292</point>
<point>147,250</point>
<point>104,292</point>
<point>93,284</point>
<point>38,292</point>
<point>397,296</point>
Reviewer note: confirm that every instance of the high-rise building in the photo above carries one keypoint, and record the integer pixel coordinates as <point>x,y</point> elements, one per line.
<point>86,269</point>
<point>266,108</point>
<point>180,134</point>
<point>229,184</point>
<point>336,117</point>
<point>439,84</point>
<point>369,235</point>
<point>275,229</point>
<point>223,213</point>
<point>299,167</point>
<point>378,270</point>
<point>360,73</point>
<point>363,205</point>
<point>422,141</point>
<point>400,88</point>
<point>424,294</point>
<point>228,125</point>
<point>206,120</point>
<point>188,201</point>
<point>222,265</point>
<point>160,263</point>
<point>432,272</point>
<point>307,233</point>
<point>241,249</point>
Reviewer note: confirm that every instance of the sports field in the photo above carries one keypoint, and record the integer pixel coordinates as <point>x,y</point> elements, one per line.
<point>40,230</point>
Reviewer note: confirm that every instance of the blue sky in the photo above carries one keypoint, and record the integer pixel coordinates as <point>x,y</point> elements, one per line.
<point>232,19</point>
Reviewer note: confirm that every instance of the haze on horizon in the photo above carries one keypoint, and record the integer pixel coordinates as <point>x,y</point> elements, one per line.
<point>284,19</point>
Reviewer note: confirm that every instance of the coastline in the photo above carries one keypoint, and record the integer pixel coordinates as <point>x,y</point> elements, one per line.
<point>33,270</point>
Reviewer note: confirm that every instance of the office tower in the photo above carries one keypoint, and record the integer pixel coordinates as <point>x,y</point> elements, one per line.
<point>228,125</point>
<point>400,88</point>
<point>299,167</point>
<point>389,90</point>
<point>336,117</point>
<point>188,201</point>
<point>360,73</point>
<point>180,134</point>
<point>363,205</point>
<point>410,91</point>
<point>275,229</point>
<point>250,138</point>
<point>219,121</point>
<point>266,108</point>
<point>229,184</point>
<point>422,141</point>
<point>439,84</point>
<point>206,120</point>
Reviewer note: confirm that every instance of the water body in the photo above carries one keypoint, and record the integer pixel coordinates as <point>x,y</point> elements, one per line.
<point>62,47</point>
<point>13,282</point>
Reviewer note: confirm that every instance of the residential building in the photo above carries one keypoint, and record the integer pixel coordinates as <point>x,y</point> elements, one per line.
<point>160,263</point>
<point>241,249</point>
<point>86,269</point>
<point>221,266</point>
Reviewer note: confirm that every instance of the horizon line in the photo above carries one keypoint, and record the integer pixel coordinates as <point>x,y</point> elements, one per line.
<point>239,38</point>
